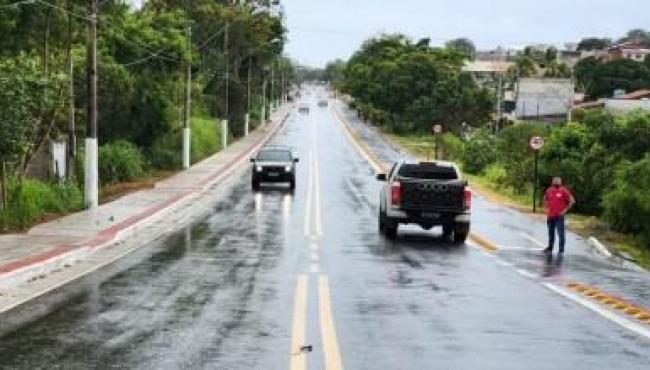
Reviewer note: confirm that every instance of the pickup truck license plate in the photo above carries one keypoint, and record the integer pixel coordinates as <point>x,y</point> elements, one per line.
<point>274,174</point>
<point>430,215</point>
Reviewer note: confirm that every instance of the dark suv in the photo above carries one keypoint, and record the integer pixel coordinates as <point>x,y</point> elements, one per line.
<point>274,164</point>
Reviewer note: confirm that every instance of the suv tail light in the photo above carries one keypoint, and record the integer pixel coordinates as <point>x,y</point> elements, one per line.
<point>395,193</point>
<point>467,195</point>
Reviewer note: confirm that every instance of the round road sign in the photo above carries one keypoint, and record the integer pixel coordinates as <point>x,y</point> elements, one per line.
<point>536,142</point>
<point>437,129</point>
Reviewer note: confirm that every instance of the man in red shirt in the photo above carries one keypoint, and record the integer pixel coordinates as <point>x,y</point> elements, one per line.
<point>558,201</point>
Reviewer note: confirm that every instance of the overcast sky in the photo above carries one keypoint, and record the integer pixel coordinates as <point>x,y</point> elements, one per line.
<point>323,30</point>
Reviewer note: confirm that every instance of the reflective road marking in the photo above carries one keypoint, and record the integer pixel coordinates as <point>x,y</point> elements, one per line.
<point>328,330</point>
<point>298,359</point>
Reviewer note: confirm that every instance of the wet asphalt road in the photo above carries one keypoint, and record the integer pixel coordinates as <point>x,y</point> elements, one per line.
<point>240,288</point>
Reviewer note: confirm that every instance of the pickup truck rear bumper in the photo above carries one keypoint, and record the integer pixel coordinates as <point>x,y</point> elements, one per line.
<point>427,218</point>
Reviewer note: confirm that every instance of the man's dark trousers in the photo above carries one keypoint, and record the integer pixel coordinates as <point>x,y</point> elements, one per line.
<point>556,223</point>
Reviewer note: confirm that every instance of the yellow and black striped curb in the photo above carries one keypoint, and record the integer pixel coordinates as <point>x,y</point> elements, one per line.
<point>619,304</point>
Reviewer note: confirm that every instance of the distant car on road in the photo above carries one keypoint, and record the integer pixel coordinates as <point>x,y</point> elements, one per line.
<point>322,103</point>
<point>303,108</point>
<point>274,164</point>
<point>427,194</point>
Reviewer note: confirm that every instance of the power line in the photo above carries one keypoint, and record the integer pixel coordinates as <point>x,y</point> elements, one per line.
<point>18,3</point>
<point>53,6</point>
<point>212,37</point>
<point>147,58</point>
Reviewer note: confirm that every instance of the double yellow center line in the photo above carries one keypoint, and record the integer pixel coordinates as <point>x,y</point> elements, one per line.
<point>299,346</point>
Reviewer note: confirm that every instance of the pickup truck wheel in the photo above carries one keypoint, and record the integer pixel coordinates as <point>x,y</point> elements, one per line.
<point>255,184</point>
<point>390,229</point>
<point>461,231</point>
<point>292,184</point>
<point>380,222</point>
<point>447,230</point>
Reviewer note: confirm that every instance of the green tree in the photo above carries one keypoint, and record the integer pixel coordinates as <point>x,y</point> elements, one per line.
<point>600,79</point>
<point>557,70</point>
<point>594,43</point>
<point>464,46</point>
<point>480,151</point>
<point>525,66</point>
<point>515,153</point>
<point>637,35</point>
<point>627,204</point>
<point>405,86</point>
<point>28,99</point>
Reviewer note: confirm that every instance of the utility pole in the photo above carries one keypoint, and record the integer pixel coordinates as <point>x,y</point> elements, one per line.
<point>272,99</point>
<point>499,97</point>
<point>499,93</point>
<point>282,88</point>
<point>263,120</point>
<point>225,47</point>
<point>72,138</point>
<point>187,130</point>
<point>91,183</point>
<point>224,123</point>
<point>248,96</point>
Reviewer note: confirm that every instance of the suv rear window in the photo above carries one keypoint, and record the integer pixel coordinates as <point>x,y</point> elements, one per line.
<point>428,171</point>
<point>274,156</point>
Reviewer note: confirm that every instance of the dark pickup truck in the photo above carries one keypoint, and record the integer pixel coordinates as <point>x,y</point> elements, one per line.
<point>427,194</point>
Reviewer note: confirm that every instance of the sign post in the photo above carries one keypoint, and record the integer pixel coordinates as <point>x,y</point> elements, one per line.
<point>536,144</point>
<point>436,129</point>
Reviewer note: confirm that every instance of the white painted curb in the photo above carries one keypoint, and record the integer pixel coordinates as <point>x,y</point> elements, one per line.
<point>596,244</point>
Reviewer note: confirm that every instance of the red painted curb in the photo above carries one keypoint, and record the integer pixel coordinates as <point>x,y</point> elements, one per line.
<point>108,234</point>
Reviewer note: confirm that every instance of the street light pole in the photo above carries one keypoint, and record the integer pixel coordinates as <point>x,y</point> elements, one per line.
<point>91,172</point>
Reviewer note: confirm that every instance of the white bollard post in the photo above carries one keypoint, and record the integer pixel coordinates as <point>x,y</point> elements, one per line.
<point>224,133</point>
<point>91,174</point>
<point>186,147</point>
<point>247,118</point>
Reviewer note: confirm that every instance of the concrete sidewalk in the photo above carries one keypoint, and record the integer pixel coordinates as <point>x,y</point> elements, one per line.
<point>61,243</point>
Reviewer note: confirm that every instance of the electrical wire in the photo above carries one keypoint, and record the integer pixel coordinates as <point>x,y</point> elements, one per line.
<point>53,6</point>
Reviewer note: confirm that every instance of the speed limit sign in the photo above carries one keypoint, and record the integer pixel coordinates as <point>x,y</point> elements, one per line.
<point>536,142</point>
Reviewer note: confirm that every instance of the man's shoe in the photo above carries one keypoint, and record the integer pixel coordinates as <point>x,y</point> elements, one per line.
<point>561,251</point>
<point>548,250</point>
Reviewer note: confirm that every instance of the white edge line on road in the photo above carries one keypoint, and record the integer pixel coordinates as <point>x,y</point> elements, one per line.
<point>355,144</point>
<point>599,246</point>
<point>525,273</point>
<point>533,239</point>
<point>623,322</point>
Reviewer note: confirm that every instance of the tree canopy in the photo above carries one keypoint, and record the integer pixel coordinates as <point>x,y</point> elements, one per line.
<point>600,79</point>
<point>142,54</point>
<point>407,86</point>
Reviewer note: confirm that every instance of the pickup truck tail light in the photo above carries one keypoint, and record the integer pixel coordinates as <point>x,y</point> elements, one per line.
<point>467,194</point>
<point>395,193</point>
